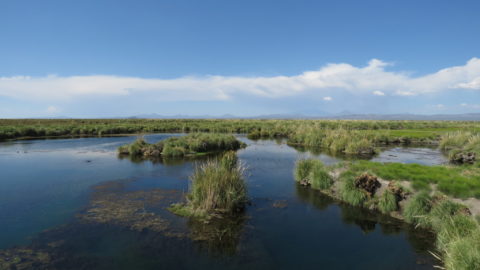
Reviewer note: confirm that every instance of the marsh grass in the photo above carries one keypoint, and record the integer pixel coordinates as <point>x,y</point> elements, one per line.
<point>349,193</point>
<point>314,173</point>
<point>320,178</point>
<point>303,169</point>
<point>460,142</point>
<point>417,209</point>
<point>217,187</point>
<point>463,252</point>
<point>387,202</point>
<point>457,181</point>
<point>191,144</point>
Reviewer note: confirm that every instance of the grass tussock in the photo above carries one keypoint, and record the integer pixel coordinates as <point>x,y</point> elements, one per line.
<point>387,202</point>
<point>461,143</point>
<point>303,168</point>
<point>335,140</point>
<point>349,193</point>
<point>217,186</point>
<point>417,209</point>
<point>190,144</point>
<point>314,173</point>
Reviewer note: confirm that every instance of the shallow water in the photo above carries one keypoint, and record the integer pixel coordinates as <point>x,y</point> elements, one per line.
<point>48,188</point>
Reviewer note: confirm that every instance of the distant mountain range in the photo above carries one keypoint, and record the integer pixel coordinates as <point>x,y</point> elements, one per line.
<point>431,117</point>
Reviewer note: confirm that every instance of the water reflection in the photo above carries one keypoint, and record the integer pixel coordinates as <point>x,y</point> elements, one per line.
<point>369,221</point>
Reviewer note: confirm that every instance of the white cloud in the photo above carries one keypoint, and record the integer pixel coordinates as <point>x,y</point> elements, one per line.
<point>372,78</point>
<point>51,110</point>
<point>473,84</point>
<point>471,106</point>
<point>440,106</point>
<point>405,93</point>
<point>327,98</point>
<point>378,93</point>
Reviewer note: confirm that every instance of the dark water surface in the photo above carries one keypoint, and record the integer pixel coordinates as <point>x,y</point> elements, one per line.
<point>73,204</point>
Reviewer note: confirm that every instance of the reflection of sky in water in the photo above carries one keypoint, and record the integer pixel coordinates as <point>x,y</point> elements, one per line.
<point>424,156</point>
<point>45,182</point>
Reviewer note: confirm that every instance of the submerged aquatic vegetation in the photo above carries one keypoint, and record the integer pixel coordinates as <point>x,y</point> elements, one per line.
<point>217,186</point>
<point>191,144</point>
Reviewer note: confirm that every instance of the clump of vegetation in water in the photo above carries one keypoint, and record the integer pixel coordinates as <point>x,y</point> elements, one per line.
<point>336,140</point>
<point>314,173</point>
<point>217,187</point>
<point>458,233</point>
<point>191,144</point>
<point>462,147</point>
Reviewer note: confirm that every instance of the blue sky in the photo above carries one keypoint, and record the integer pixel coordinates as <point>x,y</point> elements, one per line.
<point>122,58</point>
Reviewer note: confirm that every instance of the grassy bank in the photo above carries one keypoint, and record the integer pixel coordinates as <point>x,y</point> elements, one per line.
<point>217,187</point>
<point>17,128</point>
<point>462,146</point>
<point>456,181</point>
<point>191,144</point>
<point>376,186</point>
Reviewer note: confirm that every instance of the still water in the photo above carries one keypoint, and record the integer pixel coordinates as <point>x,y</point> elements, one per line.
<point>73,204</point>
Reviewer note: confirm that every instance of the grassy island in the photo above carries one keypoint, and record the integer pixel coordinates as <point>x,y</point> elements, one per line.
<point>425,196</point>
<point>217,187</point>
<point>191,144</point>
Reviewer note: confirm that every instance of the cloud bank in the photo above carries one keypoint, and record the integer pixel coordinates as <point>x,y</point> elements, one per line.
<point>372,88</point>
<point>370,79</point>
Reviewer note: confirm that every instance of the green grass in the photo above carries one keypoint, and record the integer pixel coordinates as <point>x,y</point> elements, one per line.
<point>387,202</point>
<point>313,172</point>
<point>461,142</point>
<point>320,179</point>
<point>217,186</point>
<point>418,208</point>
<point>463,252</point>
<point>311,130</point>
<point>303,169</point>
<point>191,144</point>
<point>457,181</point>
<point>349,193</point>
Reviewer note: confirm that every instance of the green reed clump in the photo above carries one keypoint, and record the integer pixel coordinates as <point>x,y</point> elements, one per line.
<point>217,186</point>
<point>442,210</point>
<point>314,173</point>
<point>349,193</point>
<point>387,202</point>
<point>418,208</point>
<point>190,144</point>
<point>463,252</point>
<point>303,169</point>
<point>135,148</point>
<point>460,142</point>
<point>319,176</point>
